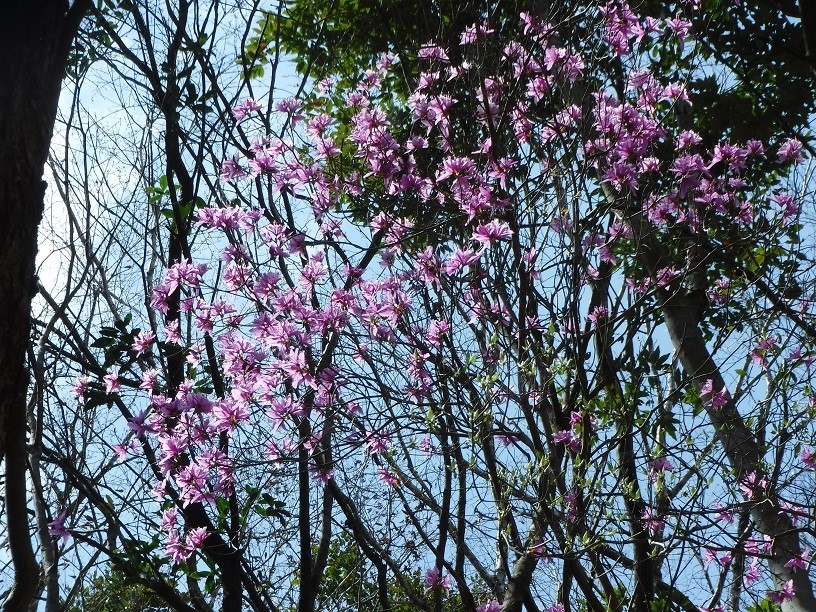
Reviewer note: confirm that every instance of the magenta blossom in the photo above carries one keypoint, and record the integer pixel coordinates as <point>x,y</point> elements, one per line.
<point>652,521</point>
<point>111,380</point>
<point>598,314</point>
<point>790,151</point>
<point>786,593</point>
<point>142,342</point>
<point>809,458</point>
<point>753,485</point>
<point>752,574</point>
<point>569,439</point>
<point>712,399</point>
<point>388,477</point>
<point>57,527</point>
<point>488,232</point>
<point>460,259</point>
<point>80,388</point>
<point>245,108</point>
<point>434,579</point>
<point>231,170</point>
<point>800,561</point>
<point>658,466</point>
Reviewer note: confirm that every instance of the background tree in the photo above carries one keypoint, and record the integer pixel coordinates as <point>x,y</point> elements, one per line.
<point>757,42</point>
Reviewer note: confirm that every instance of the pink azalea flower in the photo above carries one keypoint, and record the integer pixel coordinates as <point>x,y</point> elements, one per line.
<point>666,276</point>
<point>752,574</point>
<point>137,424</point>
<point>231,170</point>
<point>436,330</point>
<point>470,35</point>
<point>569,439</point>
<point>790,151</point>
<point>111,380</point>
<point>658,466</point>
<point>242,110</point>
<point>712,399</point>
<point>195,538</point>
<point>122,450</point>
<point>561,224</point>
<point>598,314</point>
<point>321,475</point>
<point>387,477</point>
<point>228,414</point>
<point>295,367</point>
<point>159,490</point>
<point>809,458</point>
<point>789,205</point>
<point>571,506</point>
<point>427,266</point>
<point>651,521</point>
<point>291,106</point>
<point>174,547</point>
<point>800,561</point>
<point>169,518</point>
<point>57,527</point>
<point>142,342</point>
<point>460,259</point>
<point>378,442</point>
<point>432,51</point>
<point>80,388</point>
<point>434,579</point>
<point>427,447</point>
<point>488,232</point>
<point>752,485</point>
<point>724,514</point>
<point>149,378</point>
<point>786,593</point>
<point>709,557</point>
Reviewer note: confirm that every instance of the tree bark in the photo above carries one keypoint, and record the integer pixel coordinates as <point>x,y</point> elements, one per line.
<point>35,38</point>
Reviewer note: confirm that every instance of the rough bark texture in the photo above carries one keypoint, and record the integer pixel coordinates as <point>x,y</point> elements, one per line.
<point>34,42</point>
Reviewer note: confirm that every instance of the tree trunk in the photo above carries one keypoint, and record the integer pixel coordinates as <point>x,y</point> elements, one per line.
<point>34,42</point>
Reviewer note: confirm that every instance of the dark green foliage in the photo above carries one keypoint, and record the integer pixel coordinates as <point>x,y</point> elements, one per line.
<point>350,583</point>
<point>753,81</point>
<point>115,592</point>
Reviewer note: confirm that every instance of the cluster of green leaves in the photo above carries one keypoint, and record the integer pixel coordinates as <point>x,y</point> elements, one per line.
<point>116,341</point>
<point>160,194</point>
<point>349,583</point>
<point>768,92</point>
<point>115,591</point>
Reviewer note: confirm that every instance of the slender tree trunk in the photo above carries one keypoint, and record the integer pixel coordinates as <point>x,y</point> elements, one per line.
<point>807,11</point>
<point>34,42</point>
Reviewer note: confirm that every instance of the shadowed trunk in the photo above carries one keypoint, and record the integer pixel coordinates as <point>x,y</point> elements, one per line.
<point>34,42</point>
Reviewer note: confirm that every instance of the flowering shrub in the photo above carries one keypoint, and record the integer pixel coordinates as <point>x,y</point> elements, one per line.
<point>558,394</point>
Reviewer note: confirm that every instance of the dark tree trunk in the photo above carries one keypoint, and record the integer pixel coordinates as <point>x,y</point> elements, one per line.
<point>34,41</point>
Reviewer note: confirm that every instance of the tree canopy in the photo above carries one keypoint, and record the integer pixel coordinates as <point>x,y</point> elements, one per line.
<point>499,307</point>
